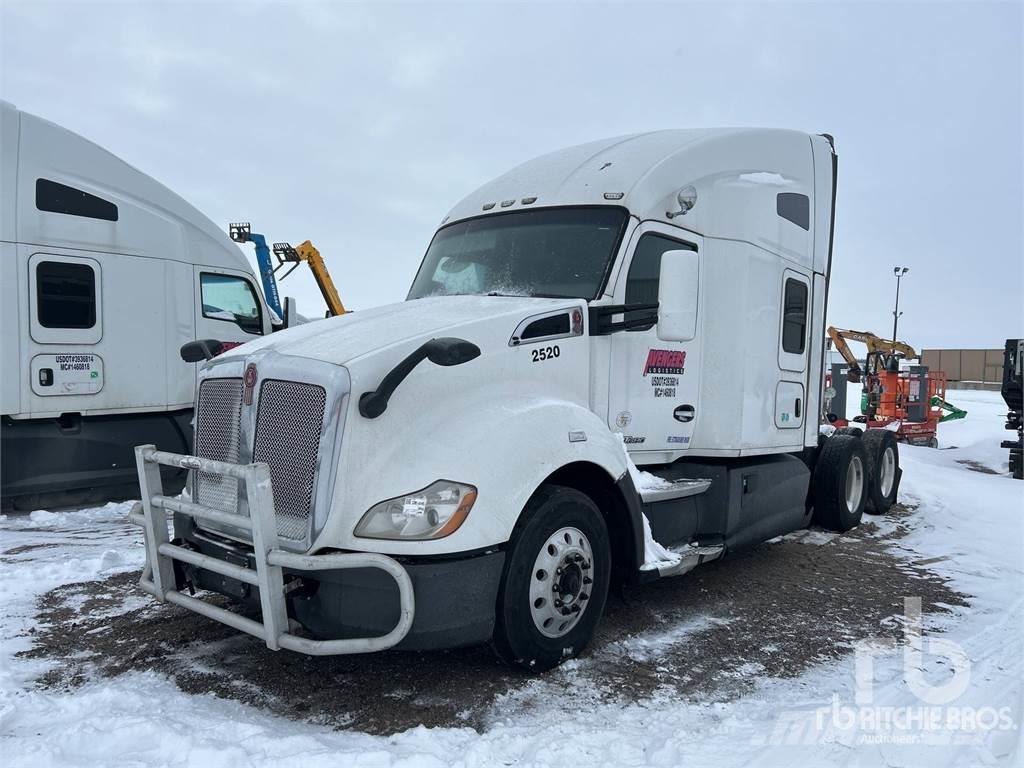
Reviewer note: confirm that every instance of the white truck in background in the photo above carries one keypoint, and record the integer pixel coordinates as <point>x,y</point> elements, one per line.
<point>453,469</point>
<point>104,274</point>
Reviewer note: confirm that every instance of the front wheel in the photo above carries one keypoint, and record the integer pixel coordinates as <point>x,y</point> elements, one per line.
<point>555,583</point>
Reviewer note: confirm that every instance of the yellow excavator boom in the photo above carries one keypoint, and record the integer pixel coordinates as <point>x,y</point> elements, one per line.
<point>873,342</point>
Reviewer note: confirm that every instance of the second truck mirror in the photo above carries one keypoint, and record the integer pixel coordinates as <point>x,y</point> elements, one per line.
<point>677,295</point>
<point>291,313</point>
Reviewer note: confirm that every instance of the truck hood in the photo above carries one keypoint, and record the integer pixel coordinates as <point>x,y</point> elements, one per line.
<point>341,340</point>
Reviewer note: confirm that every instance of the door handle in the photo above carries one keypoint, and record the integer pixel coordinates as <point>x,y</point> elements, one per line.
<point>796,408</point>
<point>684,413</point>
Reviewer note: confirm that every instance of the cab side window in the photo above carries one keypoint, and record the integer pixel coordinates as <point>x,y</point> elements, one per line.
<point>232,299</point>
<point>645,268</point>
<point>794,318</point>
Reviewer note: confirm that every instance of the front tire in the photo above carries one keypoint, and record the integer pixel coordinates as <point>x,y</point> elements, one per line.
<point>553,590</point>
<point>839,489</point>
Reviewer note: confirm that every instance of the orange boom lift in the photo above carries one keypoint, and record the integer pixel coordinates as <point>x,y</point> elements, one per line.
<point>912,402</point>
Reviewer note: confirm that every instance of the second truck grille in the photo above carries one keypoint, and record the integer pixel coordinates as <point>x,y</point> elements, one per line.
<point>288,427</point>
<point>217,437</point>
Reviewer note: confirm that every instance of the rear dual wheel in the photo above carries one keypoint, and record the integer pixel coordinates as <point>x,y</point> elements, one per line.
<point>883,456</point>
<point>839,483</point>
<point>855,473</point>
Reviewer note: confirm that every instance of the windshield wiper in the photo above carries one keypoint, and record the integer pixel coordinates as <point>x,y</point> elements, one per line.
<point>531,295</point>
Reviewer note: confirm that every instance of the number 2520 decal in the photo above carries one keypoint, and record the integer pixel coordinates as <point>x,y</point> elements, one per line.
<point>545,353</point>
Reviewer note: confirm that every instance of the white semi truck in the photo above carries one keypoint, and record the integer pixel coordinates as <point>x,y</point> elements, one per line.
<point>455,469</point>
<point>104,274</point>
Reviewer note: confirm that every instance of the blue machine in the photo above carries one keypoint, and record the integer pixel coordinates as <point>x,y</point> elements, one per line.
<point>241,232</point>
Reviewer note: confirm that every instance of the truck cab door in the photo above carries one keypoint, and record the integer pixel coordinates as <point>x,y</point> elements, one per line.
<point>228,306</point>
<point>653,393</point>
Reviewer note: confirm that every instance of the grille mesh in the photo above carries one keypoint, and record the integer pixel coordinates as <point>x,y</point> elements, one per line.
<point>217,437</point>
<point>288,427</point>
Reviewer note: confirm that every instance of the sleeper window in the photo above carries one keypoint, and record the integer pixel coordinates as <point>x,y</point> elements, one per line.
<point>60,198</point>
<point>794,207</point>
<point>794,319</point>
<point>65,295</point>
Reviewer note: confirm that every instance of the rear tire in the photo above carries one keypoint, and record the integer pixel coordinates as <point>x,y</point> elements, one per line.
<point>840,483</point>
<point>558,560</point>
<point>883,455</point>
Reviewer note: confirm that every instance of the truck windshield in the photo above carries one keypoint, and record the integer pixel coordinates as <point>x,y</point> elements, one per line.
<point>554,252</point>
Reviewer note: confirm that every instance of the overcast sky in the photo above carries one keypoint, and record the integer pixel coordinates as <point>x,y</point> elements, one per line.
<point>358,126</point>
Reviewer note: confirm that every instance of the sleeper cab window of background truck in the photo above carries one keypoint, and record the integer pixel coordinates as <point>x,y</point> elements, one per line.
<point>645,268</point>
<point>232,299</point>
<point>65,295</point>
<point>60,198</point>
<point>794,318</point>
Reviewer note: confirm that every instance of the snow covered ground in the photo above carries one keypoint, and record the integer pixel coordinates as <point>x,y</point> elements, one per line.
<point>949,695</point>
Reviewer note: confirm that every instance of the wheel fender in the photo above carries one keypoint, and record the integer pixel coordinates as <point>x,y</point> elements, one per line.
<point>507,449</point>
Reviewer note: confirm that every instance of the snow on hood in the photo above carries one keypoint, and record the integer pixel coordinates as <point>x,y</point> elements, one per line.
<point>342,339</point>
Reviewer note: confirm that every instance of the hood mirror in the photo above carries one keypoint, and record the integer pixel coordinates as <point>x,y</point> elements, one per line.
<point>450,351</point>
<point>200,350</point>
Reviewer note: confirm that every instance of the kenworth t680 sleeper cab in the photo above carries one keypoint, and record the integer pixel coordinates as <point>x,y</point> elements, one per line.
<point>456,468</point>
<point>104,274</point>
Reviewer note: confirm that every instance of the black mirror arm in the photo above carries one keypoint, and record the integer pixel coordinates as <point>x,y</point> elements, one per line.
<point>447,351</point>
<point>373,404</point>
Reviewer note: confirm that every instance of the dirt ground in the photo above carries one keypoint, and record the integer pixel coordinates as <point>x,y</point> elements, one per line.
<point>711,635</point>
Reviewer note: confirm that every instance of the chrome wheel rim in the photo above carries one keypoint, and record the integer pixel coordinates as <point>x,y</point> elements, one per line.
<point>887,471</point>
<point>854,483</point>
<point>561,582</point>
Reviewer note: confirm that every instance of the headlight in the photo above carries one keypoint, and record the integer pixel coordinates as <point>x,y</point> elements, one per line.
<point>433,513</point>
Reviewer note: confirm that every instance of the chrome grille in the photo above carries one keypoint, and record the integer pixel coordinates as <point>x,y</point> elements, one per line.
<point>288,426</point>
<point>217,437</point>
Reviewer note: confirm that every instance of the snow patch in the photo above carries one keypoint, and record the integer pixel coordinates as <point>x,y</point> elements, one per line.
<point>762,177</point>
<point>650,645</point>
<point>655,554</point>
<point>813,536</point>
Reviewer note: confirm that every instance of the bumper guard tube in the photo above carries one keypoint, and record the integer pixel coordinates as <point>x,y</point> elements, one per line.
<point>158,575</point>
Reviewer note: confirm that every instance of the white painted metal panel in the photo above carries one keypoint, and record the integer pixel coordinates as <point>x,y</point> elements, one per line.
<point>789,405</point>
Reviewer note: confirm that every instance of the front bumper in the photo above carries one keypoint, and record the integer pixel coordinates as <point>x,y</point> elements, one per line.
<point>454,597</point>
<point>269,564</point>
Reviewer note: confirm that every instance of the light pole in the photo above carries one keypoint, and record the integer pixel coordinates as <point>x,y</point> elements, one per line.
<point>899,272</point>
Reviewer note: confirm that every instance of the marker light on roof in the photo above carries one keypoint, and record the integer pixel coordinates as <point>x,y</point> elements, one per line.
<point>613,195</point>
<point>687,198</point>
<point>506,203</point>
<point>487,206</point>
<point>528,200</point>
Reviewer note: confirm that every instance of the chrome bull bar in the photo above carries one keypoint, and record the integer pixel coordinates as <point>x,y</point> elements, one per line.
<point>158,575</point>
